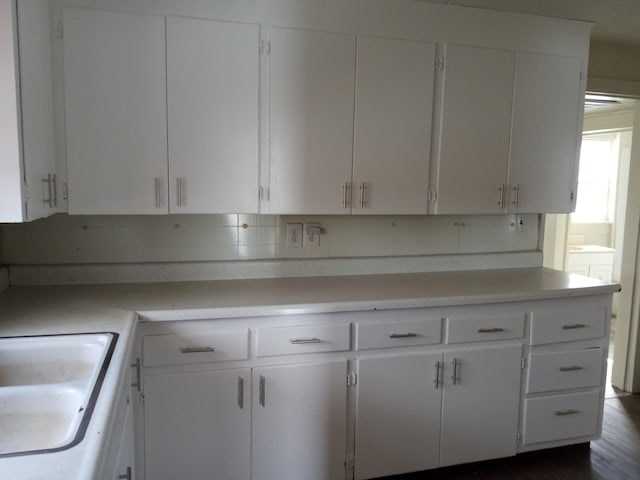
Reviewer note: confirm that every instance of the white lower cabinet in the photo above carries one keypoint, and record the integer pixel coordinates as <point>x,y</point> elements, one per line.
<point>398,425</point>
<point>299,421</point>
<point>481,401</point>
<point>198,425</point>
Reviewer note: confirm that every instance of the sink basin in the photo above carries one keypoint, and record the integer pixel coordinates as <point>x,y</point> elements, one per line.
<point>48,389</point>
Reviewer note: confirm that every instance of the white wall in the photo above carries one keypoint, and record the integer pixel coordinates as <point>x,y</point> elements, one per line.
<point>64,239</point>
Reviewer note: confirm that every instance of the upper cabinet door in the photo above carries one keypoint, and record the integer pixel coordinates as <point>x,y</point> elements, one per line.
<point>547,125</point>
<point>475,128</point>
<point>212,92</point>
<point>312,85</point>
<point>115,107</point>
<point>394,103</point>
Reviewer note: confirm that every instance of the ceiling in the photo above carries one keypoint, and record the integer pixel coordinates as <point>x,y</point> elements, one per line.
<point>616,21</point>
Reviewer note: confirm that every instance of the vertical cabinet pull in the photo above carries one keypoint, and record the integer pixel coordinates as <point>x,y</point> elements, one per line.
<point>516,196</point>
<point>180,190</point>
<point>126,475</point>
<point>50,181</point>
<point>436,381</point>
<point>158,186</point>
<point>240,392</point>
<point>261,399</point>
<point>54,184</point>
<point>454,377</point>
<point>136,365</point>
<point>363,186</point>
<point>345,194</point>
<point>501,190</point>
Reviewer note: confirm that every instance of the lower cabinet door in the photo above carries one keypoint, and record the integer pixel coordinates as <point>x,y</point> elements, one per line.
<point>481,402</point>
<point>299,422</point>
<point>197,425</point>
<point>398,423</point>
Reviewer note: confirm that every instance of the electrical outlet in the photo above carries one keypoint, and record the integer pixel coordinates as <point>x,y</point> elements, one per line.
<point>294,235</point>
<point>311,235</point>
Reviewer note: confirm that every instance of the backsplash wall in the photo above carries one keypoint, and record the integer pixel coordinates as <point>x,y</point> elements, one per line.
<point>64,239</point>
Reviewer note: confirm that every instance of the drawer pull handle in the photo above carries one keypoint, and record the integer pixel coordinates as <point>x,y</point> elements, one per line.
<point>436,381</point>
<point>240,392</point>
<point>302,341</point>
<point>197,349</point>
<point>561,413</point>
<point>403,335</point>
<point>574,326</point>
<point>262,393</point>
<point>490,330</point>
<point>572,368</point>
<point>454,377</point>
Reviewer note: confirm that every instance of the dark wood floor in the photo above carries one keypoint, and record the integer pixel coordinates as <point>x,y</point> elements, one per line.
<point>615,456</point>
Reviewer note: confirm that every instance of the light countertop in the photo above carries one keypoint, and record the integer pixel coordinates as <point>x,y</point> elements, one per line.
<point>95,308</point>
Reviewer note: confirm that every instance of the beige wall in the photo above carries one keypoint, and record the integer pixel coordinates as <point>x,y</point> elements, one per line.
<point>614,69</point>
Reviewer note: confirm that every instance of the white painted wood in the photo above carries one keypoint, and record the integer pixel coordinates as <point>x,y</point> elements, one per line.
<point>565,370</point>
<point>207,345</point>
<point>568,323</point>
<point>194,426</point>
<point>544,420</point>
<point>392,146</point>
<point>311,120</point>
<point>36,91</point>
<point>546,133</point>
<point>398,415</point>
<point>300,432</point>
<point>302,339</point>
<point>475,127</point>
<point>115,105</point>
<point>212,101</point>
<point>398,333</point>
<point>125,458</point>
<point>484,328</point>
<point>480,412</point>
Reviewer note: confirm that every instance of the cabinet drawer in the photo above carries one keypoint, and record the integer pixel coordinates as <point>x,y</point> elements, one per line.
<point>481,329</point>
<point>565,370</point>
<point>302,339</point>
<point>559,417</point>
<point>398,334</point>
<point>565,324</point>
<point>194,348</point>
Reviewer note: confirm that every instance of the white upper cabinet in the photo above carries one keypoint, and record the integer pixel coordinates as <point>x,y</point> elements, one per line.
<point>312,79</point>
<point>547,121</point>
<point>475,129</point>
<point>116,116</point>
<point>394,102</point>
<point>212,93</point>
<point>28,187</point>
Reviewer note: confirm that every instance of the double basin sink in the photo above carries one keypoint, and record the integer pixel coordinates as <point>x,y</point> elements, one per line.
<point>48,389</point>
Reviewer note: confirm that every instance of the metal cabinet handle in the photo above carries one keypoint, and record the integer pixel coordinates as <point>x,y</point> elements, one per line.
<point>137,383</point>
<point>501,191</point>
<point>490,330</point>
<point>54,182</point>
<point>403,335</point>
<point>261,398</point>
<point>49,200</point>
<point>454,377</point>
<point>157,181</point>
<point>573,326</point>
<point>126,475</point>
<point>240,392</point>
<point>516,195</point>
<point>345,191</point>
<point>363,186</point>
<point>561,413</point>
<point>197,349</point>
<point>180,186</point>
<point>302,341</point>
<point>436,381</point>
<point>572,368</point>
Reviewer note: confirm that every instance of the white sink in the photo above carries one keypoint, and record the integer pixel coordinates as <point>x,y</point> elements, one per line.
<point>48,389</point>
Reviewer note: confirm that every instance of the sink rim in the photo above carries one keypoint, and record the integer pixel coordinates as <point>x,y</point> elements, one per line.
<point>92,398</point>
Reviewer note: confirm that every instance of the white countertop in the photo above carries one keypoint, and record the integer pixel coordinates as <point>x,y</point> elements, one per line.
<point>93,308</point>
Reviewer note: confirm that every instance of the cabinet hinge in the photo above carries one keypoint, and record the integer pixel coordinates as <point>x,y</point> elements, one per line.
<point>523,363</point>
<point>141,399</point>
<point>581,76</point>
<point>572,196</point>
<point>65,191</point>
<point>349,462</point>
<point>439,64</point>
<point>60,30</point>
<point>432,196</point>
<point>263,193</point>
<point>352,379</point>
<point>264,47</point>
<point>518,438</point>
